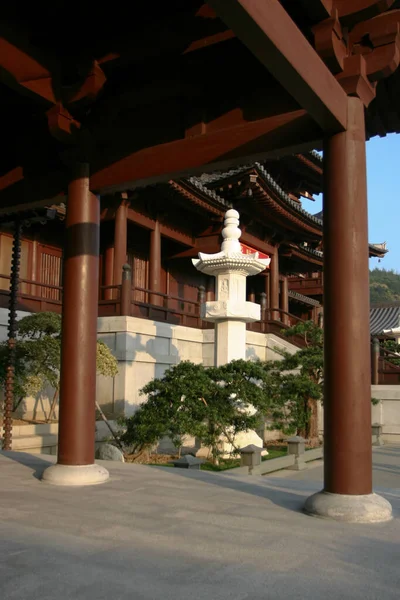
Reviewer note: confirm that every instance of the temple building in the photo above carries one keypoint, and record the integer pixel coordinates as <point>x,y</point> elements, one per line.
<point>128,111</point>
<point>157,230</point>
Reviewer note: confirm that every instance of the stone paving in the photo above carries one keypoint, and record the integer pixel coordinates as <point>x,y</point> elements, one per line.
<point>154,533</point>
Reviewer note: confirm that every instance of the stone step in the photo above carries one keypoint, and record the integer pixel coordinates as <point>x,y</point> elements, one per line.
<point>36,444</point>
<point>43,437</point>
<point>34,429</point>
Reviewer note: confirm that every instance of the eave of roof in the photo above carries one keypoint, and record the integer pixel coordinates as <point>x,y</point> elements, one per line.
<point>292,204</point>
<point>208,199</point>
<point>215,179</point>
<point>303,299</point>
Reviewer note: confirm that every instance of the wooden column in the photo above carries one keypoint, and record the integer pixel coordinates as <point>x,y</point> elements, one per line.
<point>35,267</point>
<point>284,300</point>
<point>347,381</point>
<point>108,271</point>
<point>210,285</point>
<point>375,350</point>
<point>155,265</point>
<point>120,241</point>
<point>274,286</point>
<point>267,290</point>
<point>79,338</point>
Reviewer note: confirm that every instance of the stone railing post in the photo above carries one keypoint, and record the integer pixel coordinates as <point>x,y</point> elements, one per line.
<point>202,294</point>
<point>250,456</point>
<point>296,447</point>
<point>126,291</point>
<point>201,299</point>
<point>263,303</point>
<point>377,433</point>
<point>375,350</point>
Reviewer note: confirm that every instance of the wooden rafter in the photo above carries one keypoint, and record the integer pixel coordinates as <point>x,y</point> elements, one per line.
<point>268,31</point>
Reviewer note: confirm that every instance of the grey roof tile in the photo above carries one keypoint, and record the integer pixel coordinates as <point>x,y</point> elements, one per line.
<point>383,318</point>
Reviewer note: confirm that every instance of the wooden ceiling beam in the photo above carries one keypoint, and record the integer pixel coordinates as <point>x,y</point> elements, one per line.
<point>271,35</point>
<point>272,136</point>
<point>360,10</point>
<point>11,177</point>
<point>21,69</point>
<point>317,10</point>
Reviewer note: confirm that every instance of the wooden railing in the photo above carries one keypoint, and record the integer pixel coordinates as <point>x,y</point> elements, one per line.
<point>148,304</point>
<point>125,299</point>
<point>276,321</point>
<point>34,296</point>
<point>385,365</point>
<point>304,285</point>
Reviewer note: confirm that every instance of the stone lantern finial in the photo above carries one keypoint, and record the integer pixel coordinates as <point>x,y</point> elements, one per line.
<point>231,232</point>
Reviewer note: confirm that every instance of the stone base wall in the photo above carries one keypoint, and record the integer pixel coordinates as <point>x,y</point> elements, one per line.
<point>386,413</point>
<point>145,349</point>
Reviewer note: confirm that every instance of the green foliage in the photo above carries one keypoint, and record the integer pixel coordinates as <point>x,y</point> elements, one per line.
<point>205,403</point>
<point>392,346</point>
<point>38,349</point>
<point>295,383</point>
<point>384,286</point>
<point>107,364</point>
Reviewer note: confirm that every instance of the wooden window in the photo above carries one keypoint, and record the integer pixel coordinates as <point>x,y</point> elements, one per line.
<point>140,275</point>
<point>50,261</point>
<point>6,244</point>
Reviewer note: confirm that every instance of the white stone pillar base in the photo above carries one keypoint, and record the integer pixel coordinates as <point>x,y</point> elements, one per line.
<point>75,475</point>
<point>230,341</point>
<point>369,508</point>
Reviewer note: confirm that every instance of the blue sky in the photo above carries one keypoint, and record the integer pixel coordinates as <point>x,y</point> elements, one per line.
<point>383,163</point>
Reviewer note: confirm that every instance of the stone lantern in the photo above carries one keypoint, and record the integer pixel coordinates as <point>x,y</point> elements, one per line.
<point>230,311</point>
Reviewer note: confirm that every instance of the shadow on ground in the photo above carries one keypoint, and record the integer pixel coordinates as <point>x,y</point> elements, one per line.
<point>35,463</point>
<point>276,492</point>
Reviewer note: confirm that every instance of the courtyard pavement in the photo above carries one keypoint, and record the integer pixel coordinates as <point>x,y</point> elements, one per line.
<point>154,533</point>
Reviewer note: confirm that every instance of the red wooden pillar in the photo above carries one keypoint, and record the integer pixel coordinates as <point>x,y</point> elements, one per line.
<point>347,491</point>
<point>267,290</point>
<point>284,300</point>
<point>120,241</point>
<point>34,268</point>
<point>108,271</point>
<point>274,286</point>
<point>79,338</point>
<point>155,265</point>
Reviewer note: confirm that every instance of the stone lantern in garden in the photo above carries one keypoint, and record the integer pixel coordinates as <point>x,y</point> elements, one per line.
<point>230,311</point>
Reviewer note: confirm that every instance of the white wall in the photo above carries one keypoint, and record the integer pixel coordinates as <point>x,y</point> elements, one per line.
<point>386,413</point>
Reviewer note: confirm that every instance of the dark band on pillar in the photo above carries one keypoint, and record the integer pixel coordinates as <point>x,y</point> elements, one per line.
<point>82,239</point>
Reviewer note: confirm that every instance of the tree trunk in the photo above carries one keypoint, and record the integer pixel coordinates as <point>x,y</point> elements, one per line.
<point>312,426</point>
<point>310,430</point>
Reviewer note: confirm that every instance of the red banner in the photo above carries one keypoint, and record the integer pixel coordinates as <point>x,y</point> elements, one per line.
<point>248,250</point>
